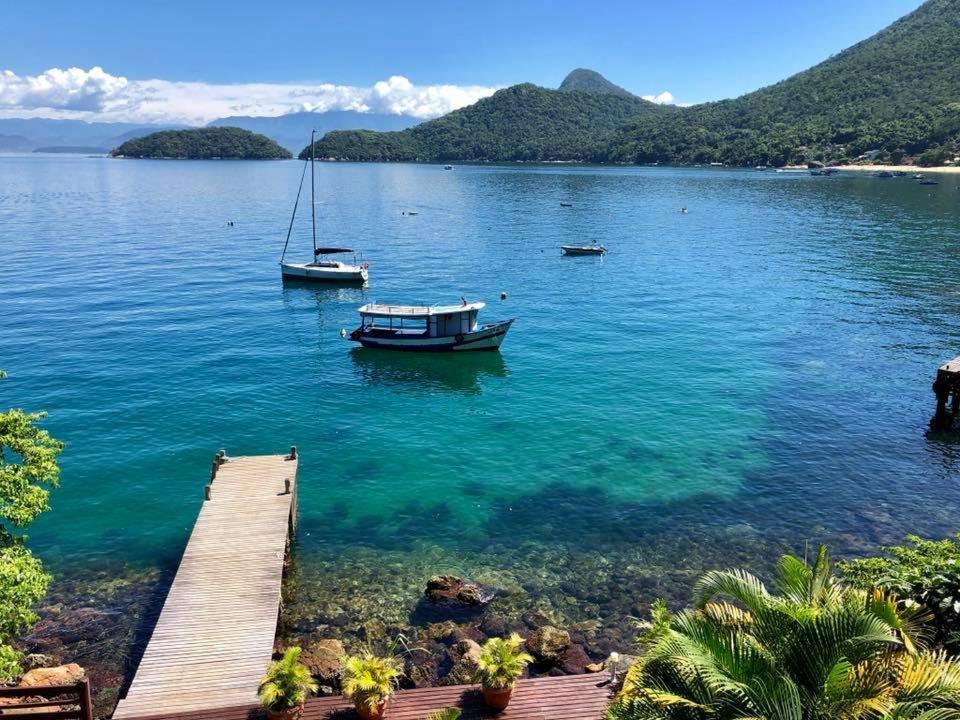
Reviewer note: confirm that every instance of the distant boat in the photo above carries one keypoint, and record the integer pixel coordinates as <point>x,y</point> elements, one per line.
<point>563,204</point>
<point>433,328</point>
<point>928,182</point>
<point>583,249</point>
<point>917,176</point>
<point>760,167</point>
<point>320,269</point>
<point>883,174</point>
<point>448,167</point>
<point>792,171</point>
<point>899,173</point>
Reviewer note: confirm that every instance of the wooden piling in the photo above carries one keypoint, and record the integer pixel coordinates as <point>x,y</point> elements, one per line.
<point>947,390</point>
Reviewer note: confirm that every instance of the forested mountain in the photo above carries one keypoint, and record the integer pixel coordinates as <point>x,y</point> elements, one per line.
<point>225,143</point>
<point>523,122</point>
<point>897,92</point>
<point>585,80</point>
<point>292,130</point>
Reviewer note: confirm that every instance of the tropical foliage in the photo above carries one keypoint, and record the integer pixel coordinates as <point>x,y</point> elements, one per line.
<point>287,683</point>
<point>818,649</point>
<point>369,680</point>
<point>925,571</point>
<point>501,662</point>
<point>450,713</point>
<point>28,470</point>
<point>226,143</point>
<point>523,122</point>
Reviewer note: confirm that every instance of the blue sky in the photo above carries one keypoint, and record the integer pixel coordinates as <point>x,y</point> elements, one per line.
<point>696,49</point>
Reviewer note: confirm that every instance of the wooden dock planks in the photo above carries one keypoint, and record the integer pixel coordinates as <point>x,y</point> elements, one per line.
<point>570,697</point>
<point>214,636</point>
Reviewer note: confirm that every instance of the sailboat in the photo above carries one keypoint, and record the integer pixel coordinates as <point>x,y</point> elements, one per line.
<point>321,268</point>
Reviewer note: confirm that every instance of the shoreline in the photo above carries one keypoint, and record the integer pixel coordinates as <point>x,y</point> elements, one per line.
<point>947,169</point>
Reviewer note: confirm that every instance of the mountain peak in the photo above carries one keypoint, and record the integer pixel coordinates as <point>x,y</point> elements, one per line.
<point>584,80</point>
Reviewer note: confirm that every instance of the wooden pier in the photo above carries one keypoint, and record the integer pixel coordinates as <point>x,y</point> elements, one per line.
<point>947,389</point>
<point>214,637</point>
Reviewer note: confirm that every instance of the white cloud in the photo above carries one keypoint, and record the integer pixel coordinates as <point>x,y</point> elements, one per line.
<point>96,95</point>
<point>664,98</point>
<point>74,89</point>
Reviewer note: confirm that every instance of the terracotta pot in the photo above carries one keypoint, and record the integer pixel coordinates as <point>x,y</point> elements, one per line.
<point>497,699</point>
<point>364,711</point>
<point>291,714</point>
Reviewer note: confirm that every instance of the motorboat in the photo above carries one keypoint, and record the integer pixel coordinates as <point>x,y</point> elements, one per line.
<point>321,268</point>
<point>583,249</point>
<point>428,328</point>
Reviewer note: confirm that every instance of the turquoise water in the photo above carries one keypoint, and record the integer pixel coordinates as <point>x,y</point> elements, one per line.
<point>753,374</point>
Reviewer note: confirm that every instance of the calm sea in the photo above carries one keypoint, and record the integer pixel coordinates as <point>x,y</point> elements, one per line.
<point>725,384</point>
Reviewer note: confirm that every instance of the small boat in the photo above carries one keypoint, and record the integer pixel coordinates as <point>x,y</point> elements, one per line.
<point>928,182</point>
<point>883,174</point>
<point>583,249</point>
<point>423,328</point>
<point>321,269</point>
<point>918,176</point>
<point>448,167</point>
<point>899,173</point>
<point>565,204</point>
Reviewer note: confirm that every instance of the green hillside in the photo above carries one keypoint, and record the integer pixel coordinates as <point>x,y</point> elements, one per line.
<point>898,92</point>
<point>523,122</point>
<point>225,143</point>
<point>583,80</point>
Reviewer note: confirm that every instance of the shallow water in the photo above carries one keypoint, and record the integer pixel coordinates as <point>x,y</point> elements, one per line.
<point>725,384</point>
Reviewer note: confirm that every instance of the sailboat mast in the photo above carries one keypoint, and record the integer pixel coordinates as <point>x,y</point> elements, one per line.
<point>313,199</point>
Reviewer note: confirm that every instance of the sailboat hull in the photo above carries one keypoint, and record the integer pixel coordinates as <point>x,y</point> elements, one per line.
<point>341,273</point>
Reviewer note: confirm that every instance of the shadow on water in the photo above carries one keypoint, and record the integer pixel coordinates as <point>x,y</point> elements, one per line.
<point>427,372</point>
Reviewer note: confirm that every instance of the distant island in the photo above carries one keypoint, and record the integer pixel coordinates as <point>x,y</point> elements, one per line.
<point>892,98</point>
<point>209,143</point>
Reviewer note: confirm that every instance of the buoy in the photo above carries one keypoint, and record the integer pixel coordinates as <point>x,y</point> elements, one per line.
<point>343,332</point>
<point>503,296</point>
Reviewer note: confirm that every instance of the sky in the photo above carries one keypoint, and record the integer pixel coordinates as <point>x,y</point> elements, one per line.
<point>193,61</point>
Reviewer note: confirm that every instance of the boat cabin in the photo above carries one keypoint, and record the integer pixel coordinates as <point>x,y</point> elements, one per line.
<point>438,321</point>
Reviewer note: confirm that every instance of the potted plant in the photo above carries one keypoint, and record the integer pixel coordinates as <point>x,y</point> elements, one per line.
<point>501,662</point>
<point>285,687</point>
<point>369,681</point>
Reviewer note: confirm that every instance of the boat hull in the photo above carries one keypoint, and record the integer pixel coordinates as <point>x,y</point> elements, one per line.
<point>314,273</point>
<point>583,250</point>
<point>489,337</point>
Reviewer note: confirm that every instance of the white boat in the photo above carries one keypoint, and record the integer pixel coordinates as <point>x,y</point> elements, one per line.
<point>433,328</point>
<point>448,167</point>
<point>321,268</point>
<point>325,270</point>
<point>583,249</point>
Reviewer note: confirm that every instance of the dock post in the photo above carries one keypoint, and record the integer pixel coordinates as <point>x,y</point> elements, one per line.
<point>293,452</point>
<point>207,492</point>
<point>947,389</point>
<point>213,469</point>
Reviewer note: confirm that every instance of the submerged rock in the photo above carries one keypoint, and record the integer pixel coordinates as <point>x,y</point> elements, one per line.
<point>465,655</point>
<point>323,659</point>
<point>548,644</point>
<point>450,588</point>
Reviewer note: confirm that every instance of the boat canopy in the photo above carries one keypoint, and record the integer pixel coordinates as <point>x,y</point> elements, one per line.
<point>418,311</point>
<point>331,250</point>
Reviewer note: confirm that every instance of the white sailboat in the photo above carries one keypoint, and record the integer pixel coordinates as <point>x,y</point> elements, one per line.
<point>321,268</point>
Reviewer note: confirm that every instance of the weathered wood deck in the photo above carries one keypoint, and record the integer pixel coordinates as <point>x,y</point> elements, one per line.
<point>214,636</point>
<point>571,697</point>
